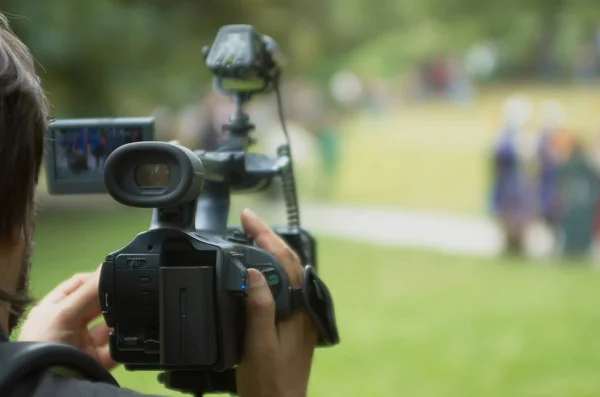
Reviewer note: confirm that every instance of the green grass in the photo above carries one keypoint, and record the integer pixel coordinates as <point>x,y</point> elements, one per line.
<point>412,323</point>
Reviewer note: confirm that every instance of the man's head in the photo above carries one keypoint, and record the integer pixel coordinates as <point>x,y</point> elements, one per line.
<point>23,117</point>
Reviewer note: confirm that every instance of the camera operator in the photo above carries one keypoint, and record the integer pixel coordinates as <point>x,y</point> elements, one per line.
<point>276,359</point>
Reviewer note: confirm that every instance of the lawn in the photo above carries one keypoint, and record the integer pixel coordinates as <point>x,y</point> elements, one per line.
<point>412,323</point>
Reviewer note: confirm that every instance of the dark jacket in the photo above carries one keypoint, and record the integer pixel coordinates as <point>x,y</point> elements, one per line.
<point>48,384</point>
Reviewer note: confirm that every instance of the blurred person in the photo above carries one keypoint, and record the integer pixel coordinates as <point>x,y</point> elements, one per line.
<point>189,121</point>
<point>304,106</point>
<point>76,151</point>
<point>165,123</point>
<point>97,147</point>
<point>512,200</point>
<point>439,74</point>
<point>580,187</point>
<point>551,149</point>
<point>595,162</point>
<point>415,83</point>
<point>595,148</point>
<point>347,89</point>
<point>201,124</point>
<point>460,89</point>
<point>276,358</point>
<point>269,134</point>
<point>135,136</point>
<point>117,138</point>
<point>217,109</point>
<point>328,139</point>
<point>481,61</point>
<point>316,112</point>
<point>596,44</point>
<point>548,63</point>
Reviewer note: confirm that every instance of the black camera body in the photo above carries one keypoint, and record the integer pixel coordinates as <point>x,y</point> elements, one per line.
<point>176,298</point>
<point>175,294</point>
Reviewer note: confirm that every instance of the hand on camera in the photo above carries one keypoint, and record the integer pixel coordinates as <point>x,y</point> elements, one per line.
<point>277,357</point>
<point>64,316</point>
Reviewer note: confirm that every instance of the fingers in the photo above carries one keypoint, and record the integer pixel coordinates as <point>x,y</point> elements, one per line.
<point>261,332</point>
<point>65,288</point>
<point>99,336</point>
<point>267,239</point>
<point>104,358</point>
<point>298,329</point>
<point>83,303</point>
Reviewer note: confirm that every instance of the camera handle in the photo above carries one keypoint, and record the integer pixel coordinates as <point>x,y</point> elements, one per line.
<point>227,173</point>
<point>212,207</point>
<point>212,210</point>
<point>232,169</point>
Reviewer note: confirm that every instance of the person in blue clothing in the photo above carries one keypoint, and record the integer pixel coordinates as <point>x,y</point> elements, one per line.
<point>511,192</point>
<point>82,140</point>
<point>548,192</point>
<point>66,140</point>
<point>74,144</point>
<point>115,138</point>
<point>328,140</point>
<point>97,146</point>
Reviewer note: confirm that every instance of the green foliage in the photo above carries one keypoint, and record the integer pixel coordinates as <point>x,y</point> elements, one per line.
<point>105,57</point>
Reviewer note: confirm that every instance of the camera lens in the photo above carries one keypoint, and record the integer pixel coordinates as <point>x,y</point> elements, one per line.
<point>152,175</point>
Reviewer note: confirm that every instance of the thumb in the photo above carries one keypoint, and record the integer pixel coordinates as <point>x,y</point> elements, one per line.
<point>261,332</point>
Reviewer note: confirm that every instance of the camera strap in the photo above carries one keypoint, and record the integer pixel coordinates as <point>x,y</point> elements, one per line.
<point>315,299</point>
<point>20,360</point>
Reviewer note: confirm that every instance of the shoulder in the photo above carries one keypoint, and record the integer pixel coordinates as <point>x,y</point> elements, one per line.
<point>50,385</point>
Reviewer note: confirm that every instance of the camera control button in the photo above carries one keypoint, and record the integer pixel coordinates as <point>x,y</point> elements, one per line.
<point>237,278</point>
<point>273,279</point>
<point>271,276</point>
<point>238,236</point>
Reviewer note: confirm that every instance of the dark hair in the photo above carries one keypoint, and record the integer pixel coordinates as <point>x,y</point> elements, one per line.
<point>23,118</point>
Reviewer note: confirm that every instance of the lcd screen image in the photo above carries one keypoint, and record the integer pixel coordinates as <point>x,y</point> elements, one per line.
<point>82,152</point>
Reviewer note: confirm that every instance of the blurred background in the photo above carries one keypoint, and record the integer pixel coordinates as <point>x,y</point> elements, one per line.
<point>447,159</point>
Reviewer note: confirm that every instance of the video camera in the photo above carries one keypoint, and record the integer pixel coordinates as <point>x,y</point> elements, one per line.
<point>175,293</point>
